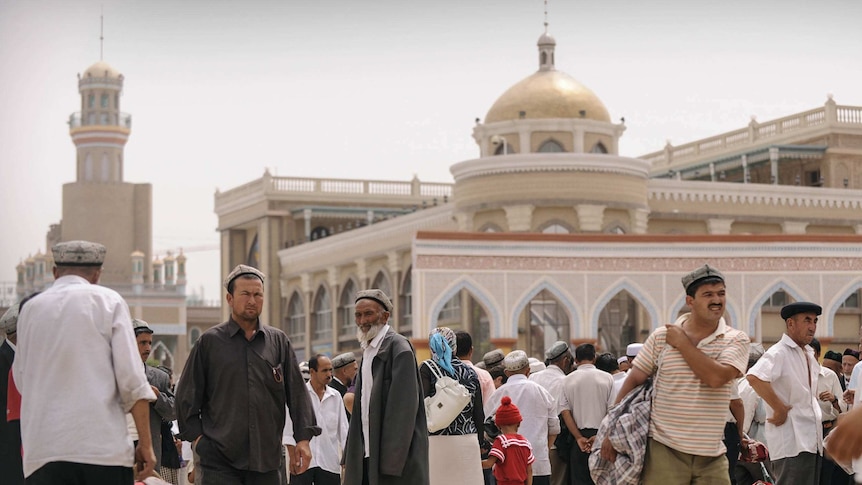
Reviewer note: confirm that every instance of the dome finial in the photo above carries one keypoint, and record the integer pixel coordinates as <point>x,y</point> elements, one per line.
<point>546,47</point>
<point>546,16</point>
<point>102,34</point>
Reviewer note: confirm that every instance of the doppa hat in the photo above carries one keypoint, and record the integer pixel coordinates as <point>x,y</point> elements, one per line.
<point>343,359</point>
<point>832,355</point>
<point>800,307</point>
<point>507,413</point>
<point>622,359</point>
<point>854,353</point>
<point>141,326</point>
<point>556,350</point>
<point>516,360</point>
<point>375,295</point>
<point>700,274</point>
<point>493,358</point>
<point>536,365</point>
<point>633,349</point>
<point>242,269</point>
<point>78,253</point>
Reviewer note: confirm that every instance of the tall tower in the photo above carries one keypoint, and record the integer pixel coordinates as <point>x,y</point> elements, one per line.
<point>99,205</point>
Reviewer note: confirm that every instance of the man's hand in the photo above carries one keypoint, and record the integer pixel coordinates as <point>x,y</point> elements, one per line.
<point>301,458</point>
<point>145,461</point>
<point>156,390</point>
<point>779,416</point>
<point>584,444</point>
<point>676,336</point>
<point>849,395</point>
<point>607,451</point>
<point>826,396</point>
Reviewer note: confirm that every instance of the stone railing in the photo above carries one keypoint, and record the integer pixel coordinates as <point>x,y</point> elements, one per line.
<point>76,120</point>
<point>755,134</point>
<point>269,185</point>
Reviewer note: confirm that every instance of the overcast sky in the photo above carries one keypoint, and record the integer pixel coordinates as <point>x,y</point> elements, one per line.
<point>221,90</point>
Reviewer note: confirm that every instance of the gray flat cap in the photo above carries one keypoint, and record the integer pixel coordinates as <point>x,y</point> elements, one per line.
<point>78,253</point>
<point>375,295</point>
<point>556,350</point>
<point>242,269</point>
<point>141,326</point>
<point>9,320</point>
<point>516,360</point>
<point>343,359</point>
<point>699,274</point>
<point>493,358</point>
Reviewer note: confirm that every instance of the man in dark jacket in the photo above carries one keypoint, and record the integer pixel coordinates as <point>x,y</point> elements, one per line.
<point>387,443</point>
<point>162,409</point>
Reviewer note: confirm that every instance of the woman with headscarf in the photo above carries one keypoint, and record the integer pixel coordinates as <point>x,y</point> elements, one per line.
<point>454,455</point>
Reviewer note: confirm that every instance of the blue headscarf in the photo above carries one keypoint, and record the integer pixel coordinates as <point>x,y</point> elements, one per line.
<point>442,344</point>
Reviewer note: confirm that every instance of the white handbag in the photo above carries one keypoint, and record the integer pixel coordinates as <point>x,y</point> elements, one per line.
<point>449,399</point>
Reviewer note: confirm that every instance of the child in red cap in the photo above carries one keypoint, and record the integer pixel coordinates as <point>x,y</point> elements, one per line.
<point>511,456</point>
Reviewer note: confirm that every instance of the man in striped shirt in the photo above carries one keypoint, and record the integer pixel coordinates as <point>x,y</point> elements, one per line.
<point>693,362</point>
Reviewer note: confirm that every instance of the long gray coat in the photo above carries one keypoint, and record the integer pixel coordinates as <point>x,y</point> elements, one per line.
<point>162,409</point>
<point>399,433</point>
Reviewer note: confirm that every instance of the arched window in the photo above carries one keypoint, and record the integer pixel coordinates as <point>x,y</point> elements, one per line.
<point>346,321</point>
<point>296,321</point>
<point>551,146</point>
<point>615,229</point>
<point>194,335</point>
<point>321,319</point>
<point>599,148</point>
<point>381,281</point>
<point>405,308</point>
<point>543,322</point>
<point>490,227</point>
<point>556,228</point>
<point>622,321</point>
<point>88,168</point>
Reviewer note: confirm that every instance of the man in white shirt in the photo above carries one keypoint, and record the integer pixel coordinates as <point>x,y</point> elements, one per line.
<point>326,449</point>
<point>831,405</point>
<point>586,397</point>
<point>786,378</point>
<point>538,408</point>
<point>559,363</point>
<point>79,372</point>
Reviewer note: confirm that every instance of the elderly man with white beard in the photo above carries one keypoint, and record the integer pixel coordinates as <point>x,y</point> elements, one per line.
<point>387,443</point>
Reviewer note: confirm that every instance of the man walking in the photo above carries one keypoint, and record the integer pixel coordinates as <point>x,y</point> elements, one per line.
<point>540,424</point>
<point>69,394</point>
<point>786,378</point>
<point>695,361</point>
<point>344,369</point>
<point>387,442</point>
<point>162,409</point>
<point>327,448</point>
<point>560,362</point>
<point>232,394</point>
<point>586,396</point>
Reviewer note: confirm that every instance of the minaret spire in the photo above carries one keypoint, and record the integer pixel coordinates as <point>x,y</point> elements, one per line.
<point>546,16</point>
<point>546,47</point>
<point>102,32</point>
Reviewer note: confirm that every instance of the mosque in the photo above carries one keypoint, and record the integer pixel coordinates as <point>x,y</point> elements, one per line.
<point>550,234</point>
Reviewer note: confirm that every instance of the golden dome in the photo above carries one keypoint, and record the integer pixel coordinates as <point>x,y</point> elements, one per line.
<point>102,69</point>
<point>548,94</point>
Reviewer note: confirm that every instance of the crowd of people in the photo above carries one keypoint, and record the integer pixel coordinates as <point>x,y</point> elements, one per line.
<point>696,402</point>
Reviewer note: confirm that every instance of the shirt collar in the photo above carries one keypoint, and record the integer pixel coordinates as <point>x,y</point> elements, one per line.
<point>234,328</point>
<point>719,332</point>
<point>587,366</point>
<point>516,378</point>
<point>786,340</point>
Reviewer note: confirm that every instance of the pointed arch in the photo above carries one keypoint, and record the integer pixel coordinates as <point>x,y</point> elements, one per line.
<point>757,303</point>
<point>345,320</point>
<point>479,293</point>
<point>639,294</point>
<point>599,148</point>
<point>168,360</point>
<point>565,299</point>
<point>551,146</point>
<point>835,304</point>
<point>383,281</point>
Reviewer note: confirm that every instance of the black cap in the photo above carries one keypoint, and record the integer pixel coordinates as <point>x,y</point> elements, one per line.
<point>832,355</point>
<point>800,307</point>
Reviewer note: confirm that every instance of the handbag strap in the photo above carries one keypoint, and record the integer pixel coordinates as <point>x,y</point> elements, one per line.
<point>434,368</point>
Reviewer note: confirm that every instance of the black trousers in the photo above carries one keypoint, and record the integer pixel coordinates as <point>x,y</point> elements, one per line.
<point>68,473</point>
<point>218,471</point>
<point>579,462</point>
<point>316,476</point>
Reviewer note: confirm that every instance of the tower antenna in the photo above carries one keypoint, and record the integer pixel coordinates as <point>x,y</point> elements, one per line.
<point>546,16</point>
<point>102,33</point>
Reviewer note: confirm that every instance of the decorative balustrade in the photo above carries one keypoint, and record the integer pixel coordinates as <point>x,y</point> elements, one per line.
<point>77,120</point>
<point>753,194</point>
<point>753,134</point>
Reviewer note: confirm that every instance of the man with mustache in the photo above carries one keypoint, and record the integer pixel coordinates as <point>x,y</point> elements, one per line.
<point>694,363</point>
<point>387,443</point>
<point>786,378</point>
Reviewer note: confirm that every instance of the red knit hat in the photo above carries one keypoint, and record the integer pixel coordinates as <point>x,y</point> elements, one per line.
<point>507,413</point>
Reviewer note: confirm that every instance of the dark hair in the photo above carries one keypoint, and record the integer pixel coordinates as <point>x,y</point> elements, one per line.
<point>709,280</point>
<point>815,344</point>
<point>245,276</point>
<point>312,362</point>
<point>498,371</point>
<point>607,362</point>
<point>585,352</point>
<point>463,342</point>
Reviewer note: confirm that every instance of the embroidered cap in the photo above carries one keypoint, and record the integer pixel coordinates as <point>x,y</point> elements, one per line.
<point>242,269</point>
<point>9,320</point>
<point>78,253</point>
<point>516,360</point>
<point>343,359</point>
<point>556,350</point>
<point>800,307</point>
<point>141,326</point>
<point>536,365</point>
<point>854,353</point>
<point>493,358</point>
<point>375,295</point>
<point>700,274</point>
<point>832,355</point>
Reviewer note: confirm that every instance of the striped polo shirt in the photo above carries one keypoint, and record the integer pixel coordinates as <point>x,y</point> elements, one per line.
<point>687,415</point>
